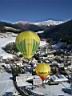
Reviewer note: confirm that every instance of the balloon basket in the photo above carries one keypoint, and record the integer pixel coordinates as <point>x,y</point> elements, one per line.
<point>43,84</point>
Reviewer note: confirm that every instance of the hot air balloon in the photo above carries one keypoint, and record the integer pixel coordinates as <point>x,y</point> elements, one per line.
<point>43,70</point>
<point>27,43</point>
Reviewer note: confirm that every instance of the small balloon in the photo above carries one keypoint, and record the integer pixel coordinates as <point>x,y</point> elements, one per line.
<point>43,70</point>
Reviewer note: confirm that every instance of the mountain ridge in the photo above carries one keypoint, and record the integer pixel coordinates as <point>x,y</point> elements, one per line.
<point>62,31</point>
<point>33,26</point>
<point>47,23</point>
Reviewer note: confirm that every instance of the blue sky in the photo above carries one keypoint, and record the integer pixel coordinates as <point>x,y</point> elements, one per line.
<point>35,10</point>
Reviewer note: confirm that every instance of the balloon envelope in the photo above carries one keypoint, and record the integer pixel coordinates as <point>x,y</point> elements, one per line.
<point>43,70</point>
<point>27,43</point>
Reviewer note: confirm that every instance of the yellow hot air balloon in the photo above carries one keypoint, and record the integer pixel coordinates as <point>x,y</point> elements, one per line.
<point>43,70</point>
<point>27,43</point>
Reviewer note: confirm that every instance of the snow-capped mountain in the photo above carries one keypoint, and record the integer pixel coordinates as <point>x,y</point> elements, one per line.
<point>33,26</point>
<point>49,23</point>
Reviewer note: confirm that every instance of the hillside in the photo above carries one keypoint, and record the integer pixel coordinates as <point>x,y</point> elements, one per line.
<point>62,32</point>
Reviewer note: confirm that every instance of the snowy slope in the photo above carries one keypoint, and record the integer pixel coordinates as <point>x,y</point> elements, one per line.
<point>5,39</point>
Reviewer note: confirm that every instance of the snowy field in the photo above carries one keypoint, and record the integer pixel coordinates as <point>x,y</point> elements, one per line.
<point>5,39</point>
<point>6,84</point>
<point>53,90</point>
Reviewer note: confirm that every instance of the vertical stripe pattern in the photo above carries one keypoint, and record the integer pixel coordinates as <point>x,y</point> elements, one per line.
<point>27,43</point>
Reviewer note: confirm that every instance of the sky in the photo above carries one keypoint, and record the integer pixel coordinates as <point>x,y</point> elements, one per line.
<point>35,10</point>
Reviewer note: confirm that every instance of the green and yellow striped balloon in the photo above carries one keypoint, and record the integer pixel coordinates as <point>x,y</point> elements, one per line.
<point>27,43</point>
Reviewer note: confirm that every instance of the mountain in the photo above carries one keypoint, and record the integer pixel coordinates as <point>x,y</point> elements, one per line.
<point>49,23</point>
<point>23,26</point>
<point>20,26</point>
<point>37,26</point>
<point>29,26</point>
<point>55,30</point>
<point>8,27</point>
<point>61,32</point>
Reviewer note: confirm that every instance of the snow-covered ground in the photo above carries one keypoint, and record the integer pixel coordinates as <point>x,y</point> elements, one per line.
<point>53,90</point>
<point>5,39</point>
<point>6,84</point>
